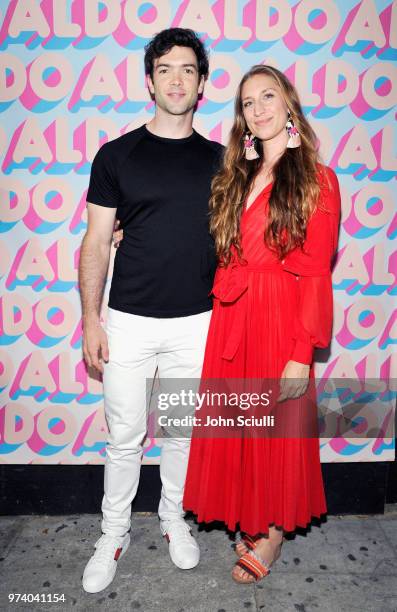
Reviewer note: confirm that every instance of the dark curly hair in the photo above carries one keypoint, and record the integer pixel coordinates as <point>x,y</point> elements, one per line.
<point>176,37</point>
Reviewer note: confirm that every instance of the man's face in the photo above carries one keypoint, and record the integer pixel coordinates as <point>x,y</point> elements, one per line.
<point>176,83</point>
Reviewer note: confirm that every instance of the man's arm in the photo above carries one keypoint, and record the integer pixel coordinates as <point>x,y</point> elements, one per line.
<point>93,267</point>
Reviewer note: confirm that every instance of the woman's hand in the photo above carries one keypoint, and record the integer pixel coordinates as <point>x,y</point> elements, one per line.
<point>294,380</point>
<point>117,234</point>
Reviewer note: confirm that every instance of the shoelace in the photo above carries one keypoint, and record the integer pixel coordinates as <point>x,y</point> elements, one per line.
<point>105,550</point>
<point>179,531</point>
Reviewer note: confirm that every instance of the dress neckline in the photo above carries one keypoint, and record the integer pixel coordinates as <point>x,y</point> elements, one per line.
<point>253,203</point>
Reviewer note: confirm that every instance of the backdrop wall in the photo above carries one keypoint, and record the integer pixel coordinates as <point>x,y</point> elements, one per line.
<point>71,77</point>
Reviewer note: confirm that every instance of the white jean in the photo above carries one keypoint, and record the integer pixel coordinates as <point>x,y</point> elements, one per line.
<point>137,346</point>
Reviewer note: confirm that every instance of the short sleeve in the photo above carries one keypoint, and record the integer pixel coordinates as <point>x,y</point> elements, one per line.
<point>103,188</point>
<point>218,161</point>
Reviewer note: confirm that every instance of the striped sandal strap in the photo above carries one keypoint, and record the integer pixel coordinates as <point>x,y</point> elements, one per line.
<point>249,541</point>
<point>253,565</point>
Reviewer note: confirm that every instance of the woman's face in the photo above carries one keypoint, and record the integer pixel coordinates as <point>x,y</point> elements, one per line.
<point>264,108</point>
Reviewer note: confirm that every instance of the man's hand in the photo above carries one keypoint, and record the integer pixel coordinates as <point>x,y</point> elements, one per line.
<point>95,344</point>
<point>117,234</point>
<point>294,380</point>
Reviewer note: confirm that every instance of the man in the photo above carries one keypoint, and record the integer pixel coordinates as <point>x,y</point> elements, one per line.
<point>157,179</point>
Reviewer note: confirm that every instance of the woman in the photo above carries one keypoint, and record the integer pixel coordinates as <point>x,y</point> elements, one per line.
<point>274,217</point>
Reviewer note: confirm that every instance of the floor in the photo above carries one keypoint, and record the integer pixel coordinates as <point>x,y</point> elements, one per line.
<point>345,564</point>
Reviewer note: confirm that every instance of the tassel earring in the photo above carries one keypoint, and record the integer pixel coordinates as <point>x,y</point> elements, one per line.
<point>294,139</point>
<point>249,147</point>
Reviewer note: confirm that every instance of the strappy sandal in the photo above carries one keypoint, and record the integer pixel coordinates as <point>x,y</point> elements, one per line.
<point>250,559</point>
<point>253,565</point>
<point>244,544</point>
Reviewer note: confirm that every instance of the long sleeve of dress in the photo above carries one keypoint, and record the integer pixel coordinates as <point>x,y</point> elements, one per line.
<point>312,326</point>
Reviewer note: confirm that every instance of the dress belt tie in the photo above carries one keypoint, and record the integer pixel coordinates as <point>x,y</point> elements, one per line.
<point>232,288</point>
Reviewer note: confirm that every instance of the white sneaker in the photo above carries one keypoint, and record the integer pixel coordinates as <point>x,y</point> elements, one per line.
<point>101,568</point>
<point>183,548</point>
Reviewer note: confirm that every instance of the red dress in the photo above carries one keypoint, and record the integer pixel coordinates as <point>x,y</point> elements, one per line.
<point>265,313</point>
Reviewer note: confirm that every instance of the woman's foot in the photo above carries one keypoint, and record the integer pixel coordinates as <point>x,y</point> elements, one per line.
<point>244,544</point>
<point>267,550</point>
<point>240,548</point>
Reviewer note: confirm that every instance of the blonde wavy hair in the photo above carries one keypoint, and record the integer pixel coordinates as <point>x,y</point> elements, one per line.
<point>295,189</point>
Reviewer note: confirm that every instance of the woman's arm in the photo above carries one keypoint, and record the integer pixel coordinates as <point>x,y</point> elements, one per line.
<point>312,326</point>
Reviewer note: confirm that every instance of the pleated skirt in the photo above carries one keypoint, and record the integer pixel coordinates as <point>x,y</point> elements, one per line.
<point>251,483</point>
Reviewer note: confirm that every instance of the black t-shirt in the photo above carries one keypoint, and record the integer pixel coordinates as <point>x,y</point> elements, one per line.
<point>165,264</point>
